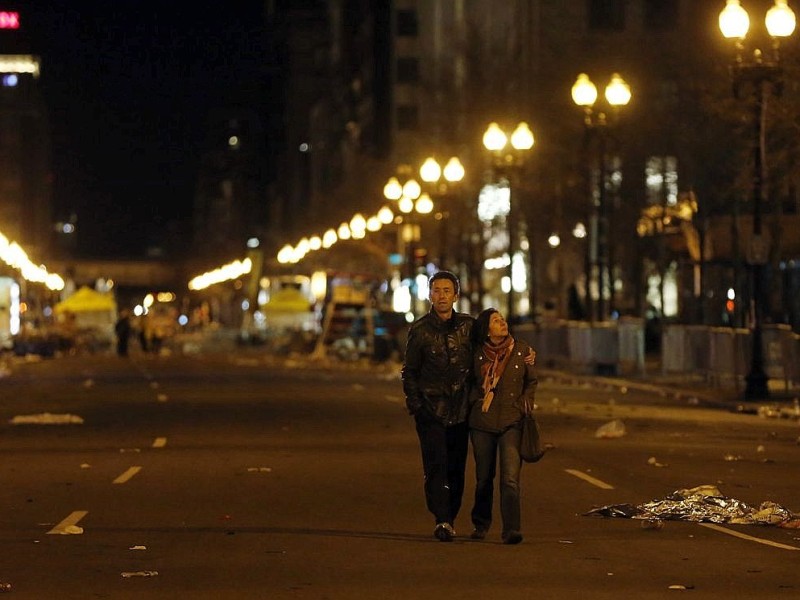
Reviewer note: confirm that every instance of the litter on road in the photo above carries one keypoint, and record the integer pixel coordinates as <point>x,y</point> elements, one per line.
<point>612,429</point>
<point>704,503</point>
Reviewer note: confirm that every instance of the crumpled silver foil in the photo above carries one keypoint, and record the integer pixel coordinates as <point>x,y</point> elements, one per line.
<point>704,503</point>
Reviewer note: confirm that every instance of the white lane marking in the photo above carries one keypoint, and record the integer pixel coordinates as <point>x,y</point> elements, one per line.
<point>127,475</point>
<point>46,419</point>
<point>744,536</point>
<point>159,442</point>
<point>590,479</point>
<point>70,521</point>
<point>393,398</point>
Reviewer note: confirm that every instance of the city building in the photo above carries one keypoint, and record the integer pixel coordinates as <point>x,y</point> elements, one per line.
<point>25,185</point>
<point>682,145</point>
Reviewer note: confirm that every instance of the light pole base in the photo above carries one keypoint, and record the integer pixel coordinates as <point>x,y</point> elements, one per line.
<point>756,388</point>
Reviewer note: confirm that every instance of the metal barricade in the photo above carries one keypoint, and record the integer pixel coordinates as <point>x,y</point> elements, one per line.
<point>673,350</point>
<point>553,334</point>
<point>630,331</point>
<point>548,338</point>
<point>698,344</point>
<point>794,367</point>
<point>729,355</point>
<point>579,345</point>
<point>685,350</point>
<point>780,358</point>
<point>605,347</point>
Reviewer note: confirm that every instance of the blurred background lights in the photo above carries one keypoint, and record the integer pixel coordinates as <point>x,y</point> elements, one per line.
<point>329,238</point>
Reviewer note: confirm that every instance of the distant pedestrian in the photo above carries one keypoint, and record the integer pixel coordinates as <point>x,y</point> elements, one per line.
<point>123,330</point>
<point>503,393</point>
<point>438,359</point>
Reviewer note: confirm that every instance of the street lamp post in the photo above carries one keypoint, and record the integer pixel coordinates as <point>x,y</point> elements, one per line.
<point>762,74</point>
<point>584,94</point>
<point>442,181</point>
<point>411,201</point>
<point>509,161</point>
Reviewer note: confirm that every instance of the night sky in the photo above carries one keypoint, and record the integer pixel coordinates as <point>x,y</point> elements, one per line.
<point>130,86</point>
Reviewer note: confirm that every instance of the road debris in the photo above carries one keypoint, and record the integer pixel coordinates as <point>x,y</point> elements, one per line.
<point>129,574</point>
<point>776,411</point>
<point>653,462</point>
<point>654,524</point>
<point>70,530</point>
<point>612,429</point>
<point>704,503</point>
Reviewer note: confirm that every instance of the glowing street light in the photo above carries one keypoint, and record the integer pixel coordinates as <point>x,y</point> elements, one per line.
<point>762,74</point>
<point>512,161</point>
<point>584,94</point>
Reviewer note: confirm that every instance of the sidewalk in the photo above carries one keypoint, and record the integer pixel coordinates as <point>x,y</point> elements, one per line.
<point>693,389</point>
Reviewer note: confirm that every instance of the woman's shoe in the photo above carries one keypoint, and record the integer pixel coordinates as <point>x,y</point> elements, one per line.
<point>478,534</point>
<point>512,537</point>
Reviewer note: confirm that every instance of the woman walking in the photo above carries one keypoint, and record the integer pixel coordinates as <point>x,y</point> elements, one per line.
<point>503,393</point>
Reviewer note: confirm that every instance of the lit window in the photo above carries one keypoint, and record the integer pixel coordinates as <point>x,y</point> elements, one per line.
<point>661,180</point>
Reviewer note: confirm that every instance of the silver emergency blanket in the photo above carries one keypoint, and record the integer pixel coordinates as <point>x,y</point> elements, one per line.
<point>704,503</point>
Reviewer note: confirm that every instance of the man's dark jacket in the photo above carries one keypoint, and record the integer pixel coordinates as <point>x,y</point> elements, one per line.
<point>438,360</point>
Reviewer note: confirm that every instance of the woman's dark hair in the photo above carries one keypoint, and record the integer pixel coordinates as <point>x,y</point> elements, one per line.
<point>445,275</point>
<point>480,329</point>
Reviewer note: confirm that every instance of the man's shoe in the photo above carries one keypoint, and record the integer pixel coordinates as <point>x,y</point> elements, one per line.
<point>444,532</point>
<point>478,534</point>
<point>512,537</point>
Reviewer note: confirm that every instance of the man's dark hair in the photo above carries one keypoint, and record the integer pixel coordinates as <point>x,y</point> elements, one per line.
<point>445,275</point>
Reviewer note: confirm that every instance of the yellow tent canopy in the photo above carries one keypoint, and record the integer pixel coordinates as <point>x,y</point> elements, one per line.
<point>287,300</point>
<point>87,300</point>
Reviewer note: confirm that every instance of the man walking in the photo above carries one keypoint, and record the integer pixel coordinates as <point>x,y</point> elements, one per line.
<point>436,379</point>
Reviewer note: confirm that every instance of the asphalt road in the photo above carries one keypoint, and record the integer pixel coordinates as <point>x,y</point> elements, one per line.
<point>251,477</point>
